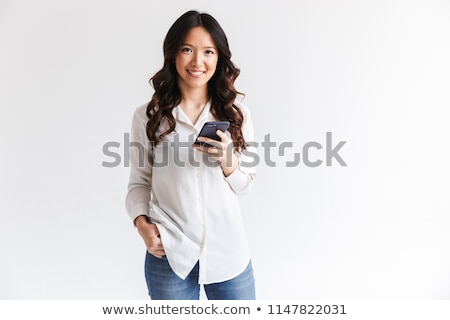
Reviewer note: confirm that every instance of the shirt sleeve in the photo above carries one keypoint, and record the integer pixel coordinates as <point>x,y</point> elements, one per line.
<point>140,182</point>
<point>242,179</point>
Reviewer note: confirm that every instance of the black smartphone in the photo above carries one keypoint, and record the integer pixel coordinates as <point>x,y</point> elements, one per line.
<point>209,130</point>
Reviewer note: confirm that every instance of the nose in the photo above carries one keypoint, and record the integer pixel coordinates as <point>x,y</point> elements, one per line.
<point>196,60</point>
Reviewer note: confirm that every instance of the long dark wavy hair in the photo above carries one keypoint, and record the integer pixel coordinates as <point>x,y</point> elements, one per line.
<point>221,90</point>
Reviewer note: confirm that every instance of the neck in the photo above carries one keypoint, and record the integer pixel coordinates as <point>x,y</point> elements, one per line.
<point>194,98</point>
<point>193,102</point>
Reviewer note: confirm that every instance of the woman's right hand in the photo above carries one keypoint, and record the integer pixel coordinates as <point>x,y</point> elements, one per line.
<point>149,232</point>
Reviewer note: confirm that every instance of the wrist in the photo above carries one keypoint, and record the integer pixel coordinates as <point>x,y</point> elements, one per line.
<point>141,221</point>
<point>229,166</point>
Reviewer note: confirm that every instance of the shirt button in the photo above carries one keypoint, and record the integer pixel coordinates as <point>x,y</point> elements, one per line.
<point>200,199</point>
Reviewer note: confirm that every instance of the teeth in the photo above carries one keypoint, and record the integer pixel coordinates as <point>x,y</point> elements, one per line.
<point>197,73</point>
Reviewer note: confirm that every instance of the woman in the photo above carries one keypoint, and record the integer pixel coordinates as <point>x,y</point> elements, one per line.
<point>183,198</point>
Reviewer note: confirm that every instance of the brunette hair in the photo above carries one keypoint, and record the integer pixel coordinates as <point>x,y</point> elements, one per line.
<point>221,90</point>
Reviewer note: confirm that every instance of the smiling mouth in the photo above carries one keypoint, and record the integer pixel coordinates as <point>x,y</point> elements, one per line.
<point>195,73</point>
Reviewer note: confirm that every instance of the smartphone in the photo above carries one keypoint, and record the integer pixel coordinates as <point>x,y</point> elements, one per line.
<point>209,130</point>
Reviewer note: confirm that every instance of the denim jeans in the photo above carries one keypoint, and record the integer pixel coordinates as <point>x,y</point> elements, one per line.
<point>164,284</point>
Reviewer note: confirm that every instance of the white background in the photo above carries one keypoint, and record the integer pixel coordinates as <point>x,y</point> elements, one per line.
<point>374,73</point>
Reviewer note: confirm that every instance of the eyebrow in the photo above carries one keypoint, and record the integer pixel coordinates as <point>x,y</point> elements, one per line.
<point>207,47</point>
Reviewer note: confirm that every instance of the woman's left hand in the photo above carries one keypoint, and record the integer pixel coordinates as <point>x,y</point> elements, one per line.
<point>221,151</point>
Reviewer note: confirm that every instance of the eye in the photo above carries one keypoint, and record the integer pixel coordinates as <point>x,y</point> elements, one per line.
<point>209,52</point>
<point>186,49</point>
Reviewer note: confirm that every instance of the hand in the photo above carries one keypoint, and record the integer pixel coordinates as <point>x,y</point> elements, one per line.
<point>221,151</point>
<point>150,233</point>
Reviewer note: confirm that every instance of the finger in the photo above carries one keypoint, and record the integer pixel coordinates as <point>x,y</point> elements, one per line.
<point>223,137</point>
<point>157,243</point>
<point>209,150</point>
<point>158,254</point>
<point>200,148</point>
<point>156,249</point>
<point>212,150</point>
<point>209,141</point>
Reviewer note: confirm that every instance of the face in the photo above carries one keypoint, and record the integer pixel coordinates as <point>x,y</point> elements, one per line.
<point>197,59</point>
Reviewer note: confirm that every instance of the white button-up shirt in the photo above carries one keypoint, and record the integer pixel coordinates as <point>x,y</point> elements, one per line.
<point>195,207</point>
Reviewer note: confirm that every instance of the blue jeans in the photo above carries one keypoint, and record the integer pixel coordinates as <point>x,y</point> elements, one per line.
<point>164,284</point>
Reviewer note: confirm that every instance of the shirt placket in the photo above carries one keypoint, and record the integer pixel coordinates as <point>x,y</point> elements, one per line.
<point>200,185</point>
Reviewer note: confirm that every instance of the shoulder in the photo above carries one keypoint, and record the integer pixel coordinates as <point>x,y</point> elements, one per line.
<point>247,124</point>
<point>141,110</point>
<point>243,107</point>
<point>140,114</point>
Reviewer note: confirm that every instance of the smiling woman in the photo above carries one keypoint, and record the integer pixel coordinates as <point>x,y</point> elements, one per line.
<point>189,215</point>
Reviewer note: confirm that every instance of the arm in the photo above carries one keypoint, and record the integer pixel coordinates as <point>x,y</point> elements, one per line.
<point>139,186</point>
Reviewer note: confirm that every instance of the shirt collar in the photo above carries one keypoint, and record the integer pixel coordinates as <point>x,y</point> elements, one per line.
<point>180,116</point>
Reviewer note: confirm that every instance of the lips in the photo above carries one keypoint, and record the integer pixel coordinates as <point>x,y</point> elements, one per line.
<point>195,73</point>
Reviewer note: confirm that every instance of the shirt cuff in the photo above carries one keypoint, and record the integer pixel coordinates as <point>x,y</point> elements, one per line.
<point>240,181</point>
<point>138,210</point>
